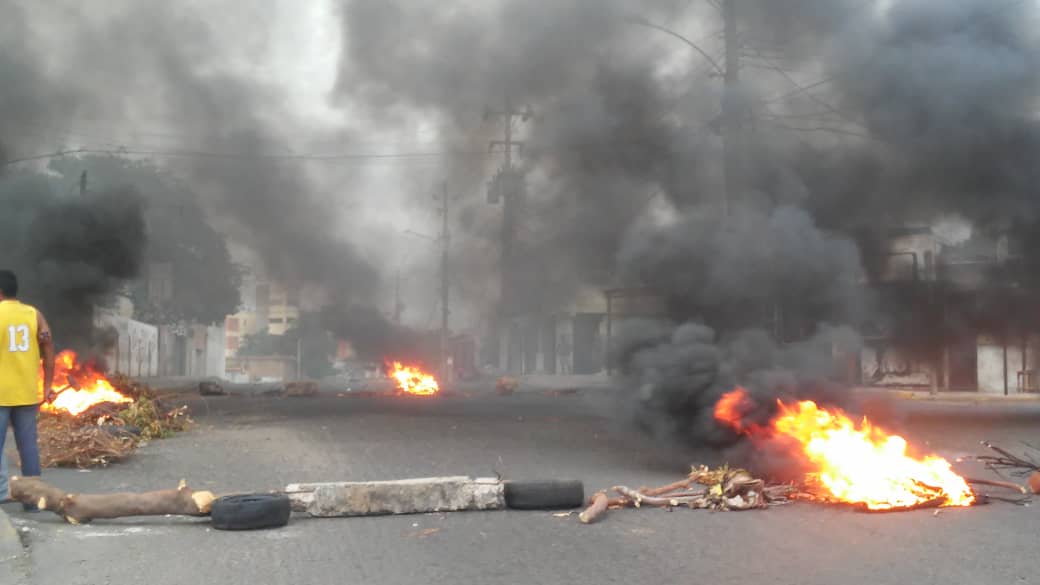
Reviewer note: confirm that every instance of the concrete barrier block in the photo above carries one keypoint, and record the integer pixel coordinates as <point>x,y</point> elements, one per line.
<point>407,496</point>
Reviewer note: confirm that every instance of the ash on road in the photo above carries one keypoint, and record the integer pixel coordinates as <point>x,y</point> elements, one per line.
<point>258,443</point>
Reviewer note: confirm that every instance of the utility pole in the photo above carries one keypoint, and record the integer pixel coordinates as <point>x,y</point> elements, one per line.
<point>398,306</point>
<point>299,355</point>
<point>507,186</point>
<point>83,183</point>
<point>731,132</point>
<point>445,282</point>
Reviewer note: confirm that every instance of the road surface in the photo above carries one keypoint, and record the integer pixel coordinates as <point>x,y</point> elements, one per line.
<point>260,443</point>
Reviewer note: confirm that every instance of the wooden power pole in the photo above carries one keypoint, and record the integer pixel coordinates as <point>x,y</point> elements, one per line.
<point>507,186</point>
<point>445,283</point>
<point>731,116</point>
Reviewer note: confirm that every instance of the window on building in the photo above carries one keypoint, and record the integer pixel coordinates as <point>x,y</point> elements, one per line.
<point>232,343</point>
<point>232,324</point>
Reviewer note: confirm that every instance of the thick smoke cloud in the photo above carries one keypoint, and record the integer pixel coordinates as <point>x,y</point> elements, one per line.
<point>167,69</point>
<point>917,110</point>
<point>681,372</point>
<point>70,253</point>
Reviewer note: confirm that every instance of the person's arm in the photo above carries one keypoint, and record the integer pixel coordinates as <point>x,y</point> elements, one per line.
<point>43,337</point>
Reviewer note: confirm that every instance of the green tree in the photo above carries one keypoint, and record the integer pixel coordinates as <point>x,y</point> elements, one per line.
<point>205,281</point>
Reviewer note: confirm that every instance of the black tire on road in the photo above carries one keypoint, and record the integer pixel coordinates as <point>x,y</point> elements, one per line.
<point>250,512</point>
<point>544,495</point>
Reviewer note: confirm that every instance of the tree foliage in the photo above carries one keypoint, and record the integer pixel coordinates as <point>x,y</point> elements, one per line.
<point>205,281</point>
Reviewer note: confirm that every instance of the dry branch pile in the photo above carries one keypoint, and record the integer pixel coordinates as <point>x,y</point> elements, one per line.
<point>67,441</point>
<point>712,489</point>
<point>1006,461</point>
<point>108,432</point>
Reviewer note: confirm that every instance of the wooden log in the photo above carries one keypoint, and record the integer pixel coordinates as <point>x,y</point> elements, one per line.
<point>660,491</point>
<point>596,508</point>
<point>1001,484</point>
<point>1034,482</point>
<point>301,389</point>
<point>82,508</point>
<point>639,499</point>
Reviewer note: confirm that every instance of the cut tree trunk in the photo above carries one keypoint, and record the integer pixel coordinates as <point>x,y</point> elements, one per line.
<point>597,508</point>
<point>82,508</point>
<point>1001,484</point>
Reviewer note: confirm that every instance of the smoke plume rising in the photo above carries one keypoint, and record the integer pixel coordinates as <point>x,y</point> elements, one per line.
<point>856,118</point>
<point>185,85</point>
<point>70,254</point>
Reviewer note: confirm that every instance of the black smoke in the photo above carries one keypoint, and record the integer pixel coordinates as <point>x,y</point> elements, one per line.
<point>70,252</point>
<point>164,80</point>
<point>881,115</point>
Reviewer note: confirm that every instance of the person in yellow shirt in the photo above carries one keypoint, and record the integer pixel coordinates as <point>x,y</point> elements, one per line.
<point>25,339</point>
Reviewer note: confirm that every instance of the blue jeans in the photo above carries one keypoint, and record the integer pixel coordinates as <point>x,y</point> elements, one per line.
<point>23,420</point>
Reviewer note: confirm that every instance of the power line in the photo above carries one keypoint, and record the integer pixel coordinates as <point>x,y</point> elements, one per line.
<point>819,101</point>
<point>244,156</point>
<point>826,129</point>
<point>639,20</point>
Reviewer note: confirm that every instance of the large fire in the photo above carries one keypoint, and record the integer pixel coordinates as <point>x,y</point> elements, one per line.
<point>411,380</point>
<point>854,463</point>
<point>79,386</point>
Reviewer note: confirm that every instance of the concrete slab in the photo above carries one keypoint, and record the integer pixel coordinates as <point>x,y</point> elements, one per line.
<point>408,496</point>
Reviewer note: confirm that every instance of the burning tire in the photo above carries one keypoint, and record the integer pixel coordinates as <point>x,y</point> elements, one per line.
<point>250,512</point>
<point>544,495</point>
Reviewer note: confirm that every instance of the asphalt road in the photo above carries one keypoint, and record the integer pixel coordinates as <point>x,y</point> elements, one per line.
<point>244,444</point>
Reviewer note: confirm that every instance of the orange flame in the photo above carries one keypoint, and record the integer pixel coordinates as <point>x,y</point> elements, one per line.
<point>79,386</point>
<point>411,380</point>
<point>732,407</point>
<point>858,464</point>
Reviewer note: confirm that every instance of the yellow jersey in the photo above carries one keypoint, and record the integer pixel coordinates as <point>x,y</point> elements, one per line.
<point>19,354</point>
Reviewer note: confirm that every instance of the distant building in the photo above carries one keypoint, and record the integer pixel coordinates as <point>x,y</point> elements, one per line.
<point>282,308</point>
<point>236,328</point>
<point>961,319</point>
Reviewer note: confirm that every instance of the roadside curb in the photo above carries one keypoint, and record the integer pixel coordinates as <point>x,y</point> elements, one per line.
<point>952,398</point>
<point>10,542</point>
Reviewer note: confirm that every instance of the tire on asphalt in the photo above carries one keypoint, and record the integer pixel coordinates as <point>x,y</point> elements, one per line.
<point>544,495</point>
<point>250,512</point>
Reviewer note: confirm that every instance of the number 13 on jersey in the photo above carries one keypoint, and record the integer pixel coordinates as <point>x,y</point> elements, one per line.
<point>18,338</point>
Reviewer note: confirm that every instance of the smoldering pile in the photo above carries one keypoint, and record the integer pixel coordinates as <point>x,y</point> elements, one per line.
<point>108,432</point>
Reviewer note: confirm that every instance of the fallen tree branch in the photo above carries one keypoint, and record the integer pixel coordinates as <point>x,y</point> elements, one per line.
<point>82,508</point>
<point>668,488</point>
<point>596,508</point>
<point>1002,484</point>
<point>638,499</point>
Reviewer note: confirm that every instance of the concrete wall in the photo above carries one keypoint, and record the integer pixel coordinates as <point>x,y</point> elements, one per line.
<point>136,352</point>
<point>991,364</point>
<point>193,350</point>
<point>208,358</point>
<point>891,367</point>
<point>887,365</point>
